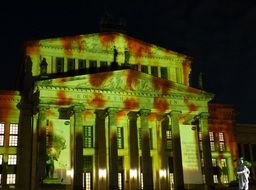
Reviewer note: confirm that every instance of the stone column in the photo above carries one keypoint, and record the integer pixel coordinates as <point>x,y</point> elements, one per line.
<point>207,157</point>
<point>133,150</point>
<point>177,158</point>
<point>78,147</point>
<point>145,151</point>
<point>163,124</point>
<point>230,169</point>
<point>41,156</point>
<point>100,150</point>
<point>113,159</point>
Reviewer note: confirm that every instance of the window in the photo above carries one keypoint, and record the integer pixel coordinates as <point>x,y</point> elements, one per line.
<point>221,142</point>
<point>212,143</point>
<point>12,159</point>
<point>144,68</point>
<point>81,64</point>
<point>71,64</point>
<point>87,174</point>
<point>88,137</point>
<point>168,139</point>
<point>211,136</point>
<point>13,138</point>
<point>88,163</point>
<point>215,178</point>
<point>103,65</point>
<point>11,178</point>
<point>214,162</point>
<point>2,134</point>
<point>163,71</point>
<point>141,181</point>
<point>92,65</point>
<point>120,181</point>
<point>221,137</point>
<point>87,181</point>
<point>120,169</point>
<point>120,139</point>
<point>222,146</point>
<point>133,66</point>
<point>59,64</point>
<point>154,71</point>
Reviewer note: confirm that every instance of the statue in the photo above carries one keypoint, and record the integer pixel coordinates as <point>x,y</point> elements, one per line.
<point>56,145</point>
<point>126,56</point>
<point>43,67</point>
<point>115,54</point>
<point>50,166</point>
<point>243,175</point>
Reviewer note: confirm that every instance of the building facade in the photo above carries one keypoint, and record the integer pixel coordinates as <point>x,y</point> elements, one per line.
<point>107,111</point>
<point>223,142</point>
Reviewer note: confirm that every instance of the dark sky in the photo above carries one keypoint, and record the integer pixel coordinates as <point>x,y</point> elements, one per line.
<point>218,34</point>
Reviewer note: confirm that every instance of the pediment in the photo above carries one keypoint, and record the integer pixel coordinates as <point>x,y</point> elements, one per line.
<point>104,43</point>
<point>126,81</point>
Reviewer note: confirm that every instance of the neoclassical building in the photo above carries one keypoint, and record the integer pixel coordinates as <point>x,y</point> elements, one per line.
<point>106,111</point>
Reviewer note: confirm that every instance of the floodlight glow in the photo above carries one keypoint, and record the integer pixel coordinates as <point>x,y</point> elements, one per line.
<point>70,172</point>
<point>133,173</point>
<point>102,173</point>
<point>162,173</point>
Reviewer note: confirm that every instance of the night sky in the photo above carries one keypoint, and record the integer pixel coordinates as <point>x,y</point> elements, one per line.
<point>219,35</point>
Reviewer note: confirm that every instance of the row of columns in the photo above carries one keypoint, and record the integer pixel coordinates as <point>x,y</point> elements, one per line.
<point>102,149</point>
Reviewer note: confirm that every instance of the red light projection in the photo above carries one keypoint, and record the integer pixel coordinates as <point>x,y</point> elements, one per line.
<point>131,103</point>
<point>120,115</point>
<point>87,114</point>
<point>138,49</point>
<point>62,80</point>
<point>161,104</point>
<point>98,101</point>
<point>161,85</point>
<point>132,78</point>
<point>98,79</point>
<point>186,70</point>
<point>32,47</point>
<point>194,90</point>
<point>191,106</point>
<point>152,117</point>
<point>62,99</point>
<point>49,113</point>
<point>67,43</point>
<point>107,39</point>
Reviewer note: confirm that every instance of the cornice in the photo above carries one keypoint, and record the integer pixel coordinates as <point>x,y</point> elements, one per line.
<point>172,95</point>
<point>7,99</point>
<point>175,57</point>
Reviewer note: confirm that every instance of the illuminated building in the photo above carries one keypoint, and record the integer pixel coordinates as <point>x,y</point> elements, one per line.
<point>108,111</point>
<point>222,142</point>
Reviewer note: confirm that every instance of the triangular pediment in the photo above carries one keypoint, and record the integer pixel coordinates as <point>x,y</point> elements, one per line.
<point>103,43</point>
<point>127,81</point>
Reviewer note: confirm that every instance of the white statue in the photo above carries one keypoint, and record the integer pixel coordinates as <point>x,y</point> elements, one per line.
<point>243,175</point>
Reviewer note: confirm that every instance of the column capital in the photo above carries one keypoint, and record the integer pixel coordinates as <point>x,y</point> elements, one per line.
<point>161,117</point>
<point>112,111</point>
<point>78,108</point>
<point>132,115</point>
<point>204,115</point>
<point>144,112</point>
<point>43,107</point>
<point>174,113</point>
<point>101,113</point>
